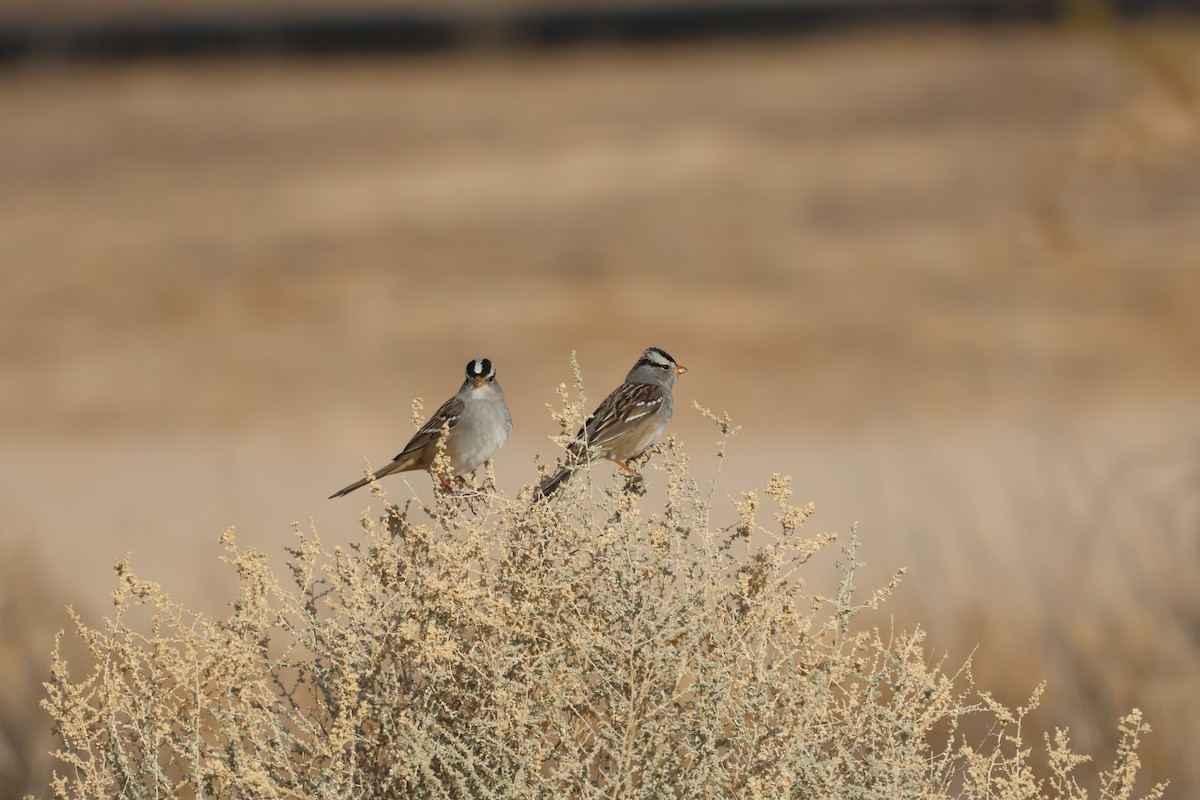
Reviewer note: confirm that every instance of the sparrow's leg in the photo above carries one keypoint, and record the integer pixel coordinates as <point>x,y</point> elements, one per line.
<point>625,466</point>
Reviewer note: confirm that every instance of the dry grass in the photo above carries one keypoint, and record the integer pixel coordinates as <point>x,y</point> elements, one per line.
<point>583,647</point>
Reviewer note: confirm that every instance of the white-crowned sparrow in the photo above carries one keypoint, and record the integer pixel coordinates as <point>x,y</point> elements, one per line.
<point>628,421</point>
<point>478,422</point>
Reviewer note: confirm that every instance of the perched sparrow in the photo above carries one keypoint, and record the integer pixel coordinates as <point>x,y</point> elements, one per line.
<point>628,421</point>
<point>478,422</point>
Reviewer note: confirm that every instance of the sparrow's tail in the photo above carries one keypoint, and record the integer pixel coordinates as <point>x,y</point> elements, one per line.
<point>551,484</point>
<point>395,466</point>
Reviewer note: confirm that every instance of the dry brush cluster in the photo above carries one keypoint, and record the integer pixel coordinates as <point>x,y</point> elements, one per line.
<point>489,646</point>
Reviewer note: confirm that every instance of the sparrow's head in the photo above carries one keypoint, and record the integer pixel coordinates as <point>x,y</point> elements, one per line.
<point>480,372</point>
<point>655,366</point>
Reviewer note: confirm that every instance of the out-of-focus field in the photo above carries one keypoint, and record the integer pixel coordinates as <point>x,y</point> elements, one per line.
<point>950,281</point>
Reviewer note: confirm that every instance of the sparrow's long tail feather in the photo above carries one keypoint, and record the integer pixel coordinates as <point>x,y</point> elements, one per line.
<point>395,466</point>
<point>356,485</point>
<point>556,480</point>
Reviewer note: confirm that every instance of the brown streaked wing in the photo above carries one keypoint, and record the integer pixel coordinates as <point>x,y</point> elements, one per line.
<point>619,410</point>
<point>427,435</point>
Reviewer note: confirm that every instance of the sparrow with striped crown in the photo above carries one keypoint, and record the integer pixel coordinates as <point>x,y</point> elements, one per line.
<point>477,423</point>
<point>628,422</point>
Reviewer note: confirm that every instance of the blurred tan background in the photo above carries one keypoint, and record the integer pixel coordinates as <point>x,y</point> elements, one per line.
<point>947,278</point>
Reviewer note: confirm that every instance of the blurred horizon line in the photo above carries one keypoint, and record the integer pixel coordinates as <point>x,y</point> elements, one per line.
<point>125,34</point>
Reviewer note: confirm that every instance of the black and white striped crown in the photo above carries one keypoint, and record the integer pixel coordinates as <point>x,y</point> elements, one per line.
<point>481,368</point>
<point>656,357</point>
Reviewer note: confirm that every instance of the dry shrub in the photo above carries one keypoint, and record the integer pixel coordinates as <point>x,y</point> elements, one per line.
<point>583,647</point>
